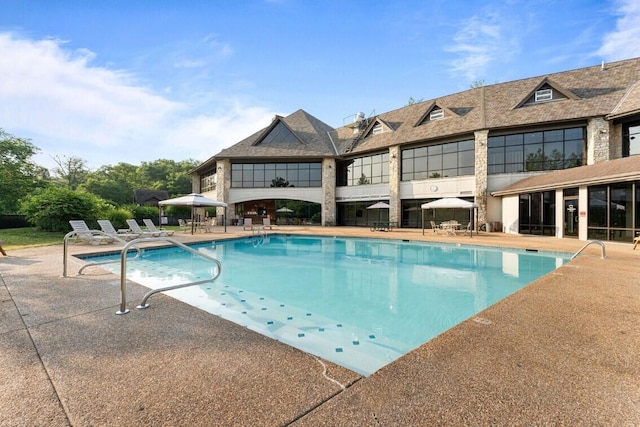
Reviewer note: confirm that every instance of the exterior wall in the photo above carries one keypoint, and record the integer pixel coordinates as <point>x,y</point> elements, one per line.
<point>461,186</point>
<point>597,140</point>
<point>615,141</point>
<point>583,204</point>
<point>395,215</point>
<point>328,199</point>
<point>481,180</point>
<point>511,214</point>
<point>560,213</point>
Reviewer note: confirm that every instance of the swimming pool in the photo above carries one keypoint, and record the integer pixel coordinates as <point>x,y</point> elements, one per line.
<point>360,303</point>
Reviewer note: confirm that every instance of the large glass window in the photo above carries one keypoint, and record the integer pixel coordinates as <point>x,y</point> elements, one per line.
<point>437,161</point>
<point>537,213</point>
<point>613,211</point>
<point>364,170</point>
<point>265,175</point>
<point>280,133</point>
<point>536,151</point>
<point>631,139</point>
<point>208,181</point>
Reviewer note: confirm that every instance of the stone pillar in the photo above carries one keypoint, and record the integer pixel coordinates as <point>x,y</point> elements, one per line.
<point>223,185</point>
<point>481,173</point>
<point>328,191</point>
<point>597,141</point>
<point>395,212</point>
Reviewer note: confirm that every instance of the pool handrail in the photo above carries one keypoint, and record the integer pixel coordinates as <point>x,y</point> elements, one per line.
<point>592,242</point>
<point>65,249</point>
<point>123,271</point>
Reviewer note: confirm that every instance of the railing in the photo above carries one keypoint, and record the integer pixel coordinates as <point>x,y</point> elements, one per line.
<point>592,242</point>
<point>132,245</point>
<point>74,234</point>
<point>123,272</point>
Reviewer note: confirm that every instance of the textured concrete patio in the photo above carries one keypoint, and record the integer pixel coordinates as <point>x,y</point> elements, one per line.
<point>562,351</point>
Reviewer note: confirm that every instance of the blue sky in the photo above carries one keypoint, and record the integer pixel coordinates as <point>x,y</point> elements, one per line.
<point>131,81</point>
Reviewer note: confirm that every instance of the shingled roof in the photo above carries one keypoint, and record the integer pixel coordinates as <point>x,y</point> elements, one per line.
<point>624,169</point>
<point>312,140</point>
<point>587,92</point>
<point>610,90</point>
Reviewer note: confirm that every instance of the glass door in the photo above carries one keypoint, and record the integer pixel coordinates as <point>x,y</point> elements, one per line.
<point>570,217</point>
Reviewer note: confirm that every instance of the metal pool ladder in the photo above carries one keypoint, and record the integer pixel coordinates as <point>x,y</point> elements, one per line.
<point>592,242</point>
<point>133,245</point>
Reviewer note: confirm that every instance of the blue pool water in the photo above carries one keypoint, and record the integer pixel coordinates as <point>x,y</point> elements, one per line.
<point>360,303</point>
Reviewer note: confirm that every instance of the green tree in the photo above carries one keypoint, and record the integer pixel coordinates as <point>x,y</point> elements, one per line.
<point>52,208</point>
<point>113,183</point>
<point>18,174</point>
<point>71,171</point>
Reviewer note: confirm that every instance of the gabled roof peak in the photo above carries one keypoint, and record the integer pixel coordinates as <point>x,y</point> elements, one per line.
<point>547,90</point>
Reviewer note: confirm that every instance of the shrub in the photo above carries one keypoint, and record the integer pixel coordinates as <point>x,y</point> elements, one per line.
<point>119,217</point>
<point>52,208</point>
<point>142,212</point>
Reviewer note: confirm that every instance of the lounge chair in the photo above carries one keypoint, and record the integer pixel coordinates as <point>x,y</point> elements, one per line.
<point>152,228</point>
<point>266,222</point>
<point>184,226</point>
<point>82,233</point>
<point>248,222</point>
<point>467,230</point>
<point>109,229</point>
<point>135,228</point>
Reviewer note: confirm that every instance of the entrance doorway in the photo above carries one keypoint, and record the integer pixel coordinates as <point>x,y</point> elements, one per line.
<point>571,215</point>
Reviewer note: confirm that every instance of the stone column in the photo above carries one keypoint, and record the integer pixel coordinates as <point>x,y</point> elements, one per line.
<point>395,212</point>
<point>223,185</point>
<point>328,191</point>
<point>597,140</point>
<point>481,173</point>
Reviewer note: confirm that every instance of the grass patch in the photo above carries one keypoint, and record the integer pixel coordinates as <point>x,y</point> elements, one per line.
<point>29,237</point>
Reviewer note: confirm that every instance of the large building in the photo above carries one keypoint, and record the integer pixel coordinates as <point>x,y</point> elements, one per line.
<point>555,155</point>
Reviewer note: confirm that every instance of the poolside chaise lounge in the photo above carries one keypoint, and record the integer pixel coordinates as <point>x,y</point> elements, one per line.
<point>109,229</point>
<point>82,233</point>
<point>135,228</point>
<point>153,229</point>
<point>248,222</point>
<point>266,222</point>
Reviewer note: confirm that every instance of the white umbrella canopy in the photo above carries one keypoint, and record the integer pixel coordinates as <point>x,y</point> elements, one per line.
<point>284,210</point>
<point>380,205</point>
<point>450,203</point>
<point>195,200</point>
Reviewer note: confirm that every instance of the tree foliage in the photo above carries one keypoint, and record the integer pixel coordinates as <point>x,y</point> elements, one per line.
<point>71,171</point>
<point>19,175</point>
<point>52,208</point>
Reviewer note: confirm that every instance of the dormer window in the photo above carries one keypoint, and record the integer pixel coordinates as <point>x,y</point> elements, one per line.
<point>436,113</point>
<point>376,129</point>
<point>544,95</point>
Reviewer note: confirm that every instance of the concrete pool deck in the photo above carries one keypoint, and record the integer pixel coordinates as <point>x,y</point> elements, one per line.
<point>565,350</point>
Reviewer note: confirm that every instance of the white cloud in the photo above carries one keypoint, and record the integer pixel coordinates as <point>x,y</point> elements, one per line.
<point>478,44</point>
<point>624,41</point>
<point>67,107</point>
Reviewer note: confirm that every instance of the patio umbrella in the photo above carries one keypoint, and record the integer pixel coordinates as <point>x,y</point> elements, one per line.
<point>195,200</point>
<point>450,203</point>
<point>380,205</point>
<point>284,210</point>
